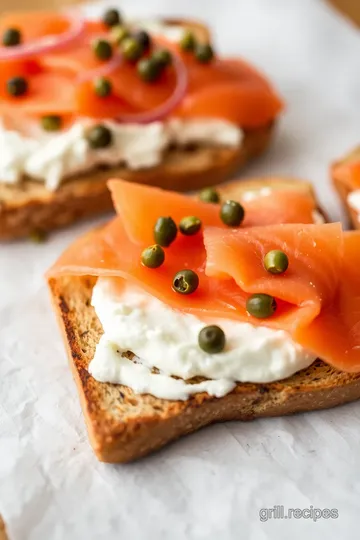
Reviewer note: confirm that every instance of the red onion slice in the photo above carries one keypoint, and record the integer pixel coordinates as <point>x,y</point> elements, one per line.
<point>169,105</point>
<point>159,112</point>
<point>47,43</point>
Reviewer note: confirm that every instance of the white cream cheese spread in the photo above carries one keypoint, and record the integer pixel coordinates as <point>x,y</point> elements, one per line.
<point>353,200</point>
<point>318,218</point>
<point>51,158</point>
<point>171,32</point>
<point>167,340</point>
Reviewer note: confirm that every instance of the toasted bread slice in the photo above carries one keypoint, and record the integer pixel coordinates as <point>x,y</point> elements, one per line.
<point>343,187</point>
<point>30,207</point>
<point>124,426</point>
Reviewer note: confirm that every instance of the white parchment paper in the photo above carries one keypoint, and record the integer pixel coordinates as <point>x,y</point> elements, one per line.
<point>214,483</point>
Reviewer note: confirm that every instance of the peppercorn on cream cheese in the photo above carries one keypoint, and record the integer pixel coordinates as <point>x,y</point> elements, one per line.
<point>165,342</point>
<point>50,158</point>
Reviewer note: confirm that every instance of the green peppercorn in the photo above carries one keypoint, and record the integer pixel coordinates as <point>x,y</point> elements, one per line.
<point>38,236</point>
<point>17,86</point>
<point>153,256</point>
<point>209,195</point>
<point>102,49</point>
<point>190,225</point>
<point>51,122</point>
<point>232,213</point>
<point>204,53</point>
<point>185,282</point>
<point>99,136</point>
<point>261,305</point>
<point>211,339</point>
<point>131,49</point>
<point>162,57</point>
<point>111,17</point>
<point>188,41</point>
<point>102,87</point>
<point>148,69</point>
<point>11,37</point>
<point>143,39</point>
<point>165,231</point>
<point>276,262</point>
<point>118,34</point>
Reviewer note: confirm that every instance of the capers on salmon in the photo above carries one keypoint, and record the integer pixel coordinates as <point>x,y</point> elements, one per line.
<point>102,49</point>
<point>153,256</point>
<point>165,231</point>
<point>143,39</point>
<point>190,225</point>
<point>203,53</point>
<point>276,262</point>
<point>209,195</point>
<point>17,86</point>
<point>111,17</point>
<point>99,136</point>
<point>102,87</point>
<point>232,213</point>
<point>118,34</point>
<point>11,37</point>
<point>51,122</point>
<point>211,339</point>
<point>148,69</point>
<point>261,305</point>
<point>162,57</point>
<point>188,41</point>
<point>131,49</point>
<point>185,282</point>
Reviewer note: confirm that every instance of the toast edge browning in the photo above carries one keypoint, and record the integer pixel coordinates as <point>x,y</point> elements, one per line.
<point>123,427</point>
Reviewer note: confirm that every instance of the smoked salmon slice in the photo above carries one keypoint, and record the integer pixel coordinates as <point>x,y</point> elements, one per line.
<point>51,76</point>
<point>280,207</point>
<point>48,94</point>
<point>133,200</point>
<point>110,252</point>
<point>62,81</point>
<point>245,104</point>
<point>318,297</point>
<point>35,24</point>
<point>322,282</point>
<point>238,254</point>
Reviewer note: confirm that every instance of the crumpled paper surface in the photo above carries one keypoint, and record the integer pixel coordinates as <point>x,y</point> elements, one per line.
<point>214,483</point>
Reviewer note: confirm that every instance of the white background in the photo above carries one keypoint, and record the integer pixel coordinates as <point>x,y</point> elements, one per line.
<point>211,484</point>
